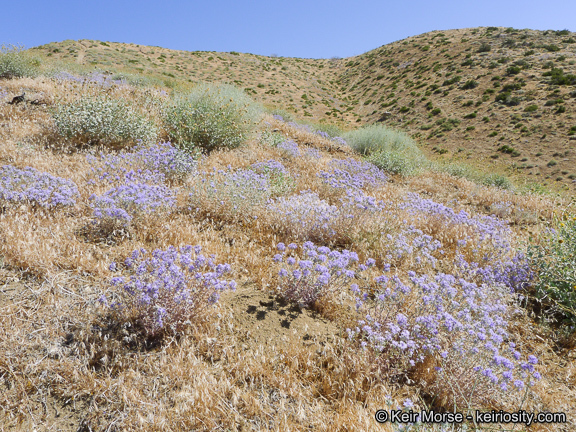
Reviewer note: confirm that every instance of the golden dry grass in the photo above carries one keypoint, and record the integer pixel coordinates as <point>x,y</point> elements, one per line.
<point>406,78</point>
<point>64,365</point>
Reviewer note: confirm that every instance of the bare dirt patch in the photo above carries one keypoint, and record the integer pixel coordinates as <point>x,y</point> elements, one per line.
<point>261,318</point>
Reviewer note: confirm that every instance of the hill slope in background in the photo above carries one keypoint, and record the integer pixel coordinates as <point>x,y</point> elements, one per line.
<point>489,96</point>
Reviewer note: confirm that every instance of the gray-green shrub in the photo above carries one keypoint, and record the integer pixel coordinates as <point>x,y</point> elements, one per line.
<point>17,63</point>
<point>211,117</point>
<point>103,120</point>
<point>389,149</point>
<point>554,259</point>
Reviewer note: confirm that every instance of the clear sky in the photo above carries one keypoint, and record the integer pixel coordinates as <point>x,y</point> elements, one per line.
<point>296,28</point>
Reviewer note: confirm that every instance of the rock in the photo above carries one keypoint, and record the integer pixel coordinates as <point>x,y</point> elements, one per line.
<point>385,116</point>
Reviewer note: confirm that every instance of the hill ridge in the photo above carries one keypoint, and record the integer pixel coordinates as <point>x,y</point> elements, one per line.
<point>483,95</point>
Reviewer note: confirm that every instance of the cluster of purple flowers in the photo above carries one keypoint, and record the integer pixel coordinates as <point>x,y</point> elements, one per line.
<point>304,128</point>
<point>323,134</point>
<point>39,188</point>
<point>320,271</point>
<point>463,323</point>
<point>312,153</point>
<point>304,216</point>
<point>236,191</point>
<point>148,164</point>
<point>491,232</point>
<point>168,288</point>
<point>119,205</point>
<point>412,244</point>
<point>270,166</point>
<point>353,174</point>
<point>95,78</point>
<point>514,273</point>
<point>289,148</point>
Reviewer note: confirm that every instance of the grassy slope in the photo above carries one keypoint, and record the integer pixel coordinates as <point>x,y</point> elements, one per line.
<point>396,78</point>
<point>257,365</point>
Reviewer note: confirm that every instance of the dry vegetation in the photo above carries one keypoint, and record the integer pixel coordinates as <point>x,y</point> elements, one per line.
<point>463,93</point>
<point>254,361</point>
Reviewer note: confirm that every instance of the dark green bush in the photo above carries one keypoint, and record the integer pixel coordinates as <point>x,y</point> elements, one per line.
<point>513,70</point>
<point>484,47</point>
<point>507,99</point>
<point>470,84</point>
<point>557,77</point>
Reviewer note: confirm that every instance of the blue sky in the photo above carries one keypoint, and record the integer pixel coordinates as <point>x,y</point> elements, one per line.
<point>296,28</point>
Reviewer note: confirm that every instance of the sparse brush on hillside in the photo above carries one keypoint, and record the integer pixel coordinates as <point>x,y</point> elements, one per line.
<point>17,63</point>
<point>211,117</point>
<point>356,291</point>
<point>472,174</point>
<point>389,149</point>
<point>103,120</point>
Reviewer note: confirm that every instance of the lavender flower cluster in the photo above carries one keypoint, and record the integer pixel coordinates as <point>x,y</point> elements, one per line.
<point>270,166</point>
<point>491,234</point>
<point>38,188</point>
<point>168,288</point>
<point>231,191</point>
<point>289,148</point>
<point>461,323</point>
<point>321,271</point>
<point>149,164</point>
<point>353,174</point>
<point>119,205</point>
<point>304,216</point>
<point>412,244</point>
<point>95,78</point>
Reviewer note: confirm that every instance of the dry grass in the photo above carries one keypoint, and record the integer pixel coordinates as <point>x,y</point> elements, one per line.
<point>408,79</point>
<point>64,365</point>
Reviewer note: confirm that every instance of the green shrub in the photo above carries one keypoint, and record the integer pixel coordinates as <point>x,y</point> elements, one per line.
<point>470,84</point>
<point>17,63</point>
<point>211,117</point>
<point>509,150</point>
<point>102,120</point>
<point>485,47</point>
<point>498,180</point>
<point>557,77</point>
<point>390,150</point>
<point>507,99</point>
<point>398,162</point>
<point>531,108</point>
<point>513,70</point>
<point>554,260</point>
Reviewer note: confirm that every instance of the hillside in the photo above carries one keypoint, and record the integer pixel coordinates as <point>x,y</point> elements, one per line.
<point>483,95</point>
<point>176,257</point>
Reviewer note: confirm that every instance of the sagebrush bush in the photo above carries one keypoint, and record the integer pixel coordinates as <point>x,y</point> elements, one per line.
<point>16,63</point>
<point>102,120</point>
<point>388,149</point>
<point>554,260</point>
<point>210,118</point>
